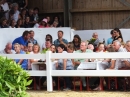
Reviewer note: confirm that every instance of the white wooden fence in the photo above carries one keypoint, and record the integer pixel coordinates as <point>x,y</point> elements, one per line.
<point>49,72</point>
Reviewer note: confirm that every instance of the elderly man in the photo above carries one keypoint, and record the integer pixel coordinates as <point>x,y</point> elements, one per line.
<point>8,49</point>
<point>117,63</point>
<point>96,42</point>
<point>127,61</point>
<point>83,49</point>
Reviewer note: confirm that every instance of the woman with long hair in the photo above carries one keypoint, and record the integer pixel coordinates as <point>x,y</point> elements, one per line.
<point>76,41</point>
<point>118,35</point>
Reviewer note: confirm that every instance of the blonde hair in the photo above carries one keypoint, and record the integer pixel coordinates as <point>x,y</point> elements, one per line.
<point>17,44</point>
<point>38,47</point>
<point>71,46</point>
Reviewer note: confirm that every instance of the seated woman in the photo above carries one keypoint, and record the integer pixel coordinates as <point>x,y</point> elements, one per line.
<point>65,64</point>
<point>22,62</point>
<point>36,50</point>
<point>102,65</point>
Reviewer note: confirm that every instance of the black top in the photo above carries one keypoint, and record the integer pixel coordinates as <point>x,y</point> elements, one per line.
<point>20,26</point>
<point>116,38</point>
<point>27,25</point>
<point>77,47</point>
<point>4,26</point>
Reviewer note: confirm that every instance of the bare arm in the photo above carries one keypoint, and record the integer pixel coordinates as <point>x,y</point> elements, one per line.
<point>32,60</point>
<point>119,39</point>
<point>127,63</point>
<point>20,61</point>
<point>73,61</point>
<point>112,64</point>
<point>26,2</point>
<point>64,64</point>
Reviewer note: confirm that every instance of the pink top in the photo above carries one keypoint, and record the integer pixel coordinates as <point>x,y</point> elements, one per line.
<point>42,26</point>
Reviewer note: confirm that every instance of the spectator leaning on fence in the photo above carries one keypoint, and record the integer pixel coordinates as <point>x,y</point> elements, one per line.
<point>127,61</point>
<point>22,62</point>
<point>65,64</point>
<point>83,49</point>
<point>117,63</point>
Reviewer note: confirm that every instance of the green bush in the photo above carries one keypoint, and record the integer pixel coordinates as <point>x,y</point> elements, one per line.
<point>13,79</point>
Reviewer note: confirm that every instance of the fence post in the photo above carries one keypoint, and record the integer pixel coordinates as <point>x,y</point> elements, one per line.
<point>49,69</point>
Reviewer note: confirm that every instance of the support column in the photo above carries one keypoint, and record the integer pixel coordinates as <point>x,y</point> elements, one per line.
<point>49,69</point>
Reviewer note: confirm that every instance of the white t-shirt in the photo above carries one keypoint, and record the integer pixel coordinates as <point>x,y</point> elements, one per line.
<point>10,27</point>
<point>29,63</point>
<point>35,59</point>
<point>36,25</point>
<point>16,16</point>
<point>3,52</point>
<point>5,7</point>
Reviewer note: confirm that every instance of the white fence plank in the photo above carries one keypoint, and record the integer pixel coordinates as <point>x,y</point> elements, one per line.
<point>90,55</point>
<point>95,73</point>
<point>24,56</point>
<point>37,72</point>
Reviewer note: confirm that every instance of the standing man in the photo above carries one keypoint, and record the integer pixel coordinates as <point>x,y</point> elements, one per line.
<point>60,39</point>
<point>32,40</point>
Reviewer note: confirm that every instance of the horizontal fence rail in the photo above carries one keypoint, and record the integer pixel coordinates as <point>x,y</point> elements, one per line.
<point>90,55</point>
<point>49,72</point>
<point>24,56</point>
<point>94,73</point>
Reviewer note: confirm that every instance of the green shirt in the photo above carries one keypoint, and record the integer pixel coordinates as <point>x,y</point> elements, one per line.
<point>44,51</point>
<point>79,51</point>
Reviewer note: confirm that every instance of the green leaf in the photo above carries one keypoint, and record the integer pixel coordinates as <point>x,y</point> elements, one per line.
<point>5,93</point>
<point>29,82</point>
<point>13,79</point>
<point>9,85</point>
<point>0,86</point>
<point>18,80</point>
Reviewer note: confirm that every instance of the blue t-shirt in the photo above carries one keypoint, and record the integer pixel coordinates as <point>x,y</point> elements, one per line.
<point>57,42</point>
<point>24,64</point>
<point>109,40</point>
<point>21,41</point>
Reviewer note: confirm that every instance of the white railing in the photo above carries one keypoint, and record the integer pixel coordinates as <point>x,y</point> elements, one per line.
<point>49,72</point>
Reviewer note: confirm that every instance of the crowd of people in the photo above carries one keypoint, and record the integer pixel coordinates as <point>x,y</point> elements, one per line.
<point>26,44</point>
<point>16,14</point>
